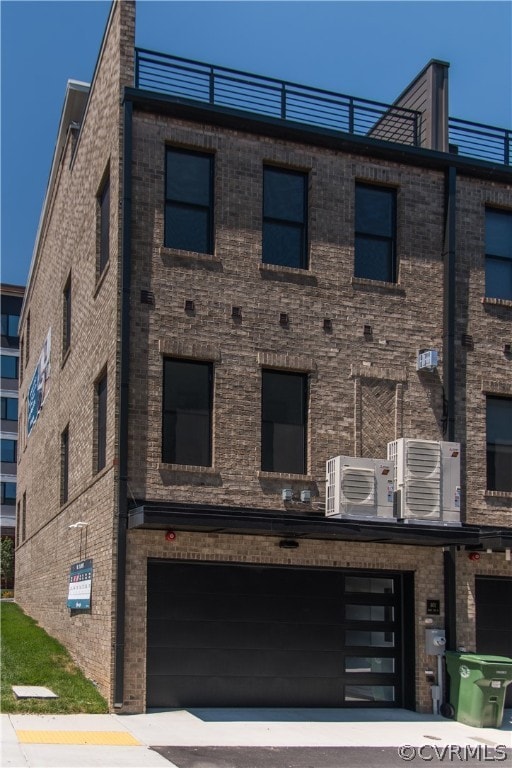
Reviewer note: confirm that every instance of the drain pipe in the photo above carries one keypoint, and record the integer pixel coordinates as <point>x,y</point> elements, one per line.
<point>122,500</point>
<point>450,553</point>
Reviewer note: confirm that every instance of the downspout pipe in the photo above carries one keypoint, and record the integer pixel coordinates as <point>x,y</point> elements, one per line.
<point>122,500</point>
<point>450,572</point>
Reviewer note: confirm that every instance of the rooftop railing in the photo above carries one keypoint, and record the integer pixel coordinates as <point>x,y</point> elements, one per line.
<point>196,81</point>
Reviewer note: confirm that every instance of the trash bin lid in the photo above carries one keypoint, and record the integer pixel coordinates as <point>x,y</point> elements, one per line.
<point>482,658</point>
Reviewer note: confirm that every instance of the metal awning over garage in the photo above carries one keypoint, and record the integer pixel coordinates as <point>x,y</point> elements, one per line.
<point>291,525</point>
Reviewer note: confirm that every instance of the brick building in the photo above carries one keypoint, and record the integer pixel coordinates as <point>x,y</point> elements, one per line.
<point>232,283</point>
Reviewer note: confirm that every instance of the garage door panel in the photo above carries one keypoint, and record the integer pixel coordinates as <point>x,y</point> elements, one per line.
<point>493,599</point>
<point>488,613</point>
<point>237,635</point>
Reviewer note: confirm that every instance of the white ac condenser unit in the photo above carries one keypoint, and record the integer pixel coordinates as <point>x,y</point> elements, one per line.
<point>361,488</point>
<point>427,479</point>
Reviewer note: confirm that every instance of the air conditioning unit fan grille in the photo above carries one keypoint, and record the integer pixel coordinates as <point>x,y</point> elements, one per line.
<point>358,486</point>
<point>423,460</point>
<point>422,499</point>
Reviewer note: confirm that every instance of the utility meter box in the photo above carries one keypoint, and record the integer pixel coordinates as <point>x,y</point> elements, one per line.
<point>435,642</point>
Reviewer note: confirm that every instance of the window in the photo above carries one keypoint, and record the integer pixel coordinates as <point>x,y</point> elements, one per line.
<point>283,437</point>
<point>64,466</point>
<point>9,494</point>
<point>9,450</point>
<point>189,201</point>
<point>499,444</point>
<point>498,254</point>
<point>375,246</point>
<point>187,412</point>
<point>66,316</point>
<point>24,517</point>
<point>9,367</point>
<point>27,340</point>
<point>101,423</point>
<point>104,226</point>
<point>10,325</point>
<point>9,408</point>
<point>284,218</point>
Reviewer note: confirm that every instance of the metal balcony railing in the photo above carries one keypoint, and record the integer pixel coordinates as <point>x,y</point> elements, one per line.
<point>195,81</point>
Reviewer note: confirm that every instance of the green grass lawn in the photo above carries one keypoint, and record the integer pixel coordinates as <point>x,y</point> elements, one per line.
<point>31,657</point>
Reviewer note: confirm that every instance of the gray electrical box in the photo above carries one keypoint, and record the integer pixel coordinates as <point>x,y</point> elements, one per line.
<point>435,642</point>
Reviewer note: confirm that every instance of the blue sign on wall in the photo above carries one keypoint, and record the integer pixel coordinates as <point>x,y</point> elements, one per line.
<point>80,585</point>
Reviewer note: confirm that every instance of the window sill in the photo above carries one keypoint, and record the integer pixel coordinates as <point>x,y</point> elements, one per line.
<point>193,468</point>
<point>288,274</point>
<point>264,475</point>
<point>185,474</point>
<point>377,285</point>
<point>498,494</point>
<point>171,256</point>
<point>101,280</point>
<point>487,300</point>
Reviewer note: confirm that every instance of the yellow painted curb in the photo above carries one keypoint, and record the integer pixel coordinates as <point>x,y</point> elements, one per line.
<point>105,738</point>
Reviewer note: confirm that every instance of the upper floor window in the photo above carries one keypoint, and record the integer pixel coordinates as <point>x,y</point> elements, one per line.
<point>10,325</point>
<point>284,217</point>
<point>101,422</point>
<point>283,422</point>
<point>9,366</point>
<point>104,225</point>
<point>9,450</point>
<point>375,233</point>
<point>189,200</point>
<point>66,316</point>
<point>9,408</point>
<point>498,254</point>
<point>64,466</point>
<point>9,493</point>
<point>187,413</point>
<point>499,443</point>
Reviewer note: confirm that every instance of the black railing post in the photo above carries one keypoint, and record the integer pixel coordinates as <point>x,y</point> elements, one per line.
<point>283,101</point>
<point>351,115</point>
<point>136,73</point>
<point>415,130</point>
<point>212,86</point>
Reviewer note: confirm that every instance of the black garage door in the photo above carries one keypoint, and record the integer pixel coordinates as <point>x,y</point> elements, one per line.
<point>493,598</point>
<point>238,635</point>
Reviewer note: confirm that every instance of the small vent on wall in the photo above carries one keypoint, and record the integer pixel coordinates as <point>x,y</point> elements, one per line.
<point>236,313</point>
<point>284,320</point>
<point>190,306</point>
<point>147,297</point>
<point>368,332</point>
<point>327,325</point>
<point>467,341</point>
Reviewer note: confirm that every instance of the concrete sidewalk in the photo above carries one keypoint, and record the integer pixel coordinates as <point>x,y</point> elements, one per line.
<point>109,741</point>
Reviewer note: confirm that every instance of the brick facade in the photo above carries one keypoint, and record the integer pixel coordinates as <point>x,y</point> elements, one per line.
<point>364,390</point>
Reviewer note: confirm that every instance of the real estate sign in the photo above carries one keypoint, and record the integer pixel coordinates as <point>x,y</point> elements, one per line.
<point>80,585</point>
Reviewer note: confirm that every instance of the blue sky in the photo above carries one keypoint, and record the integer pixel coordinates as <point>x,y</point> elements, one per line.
<point>371,49</point>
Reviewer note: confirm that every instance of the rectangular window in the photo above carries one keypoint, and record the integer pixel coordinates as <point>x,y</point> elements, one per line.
<point>283,429</point>
<point>18,518</point>
<point>9,494</point>
<point>9,450</point>
<point>9,408</point>
<point>24,517</point>
<point>189,201</point>
<point>66,316</point>
<point>101,423</point>
<point>64,466</point>
<point>9,367</point>
<point>187,413</point>
<point>375,233</point>
<point>10,326</point>
<point>104,225</point>
<point>27,340</point>
<point>499,444</point>
<point>284,217</point>
<point>498,254</point>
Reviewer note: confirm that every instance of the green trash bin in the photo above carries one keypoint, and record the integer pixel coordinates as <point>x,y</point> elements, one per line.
<point>478,684</point>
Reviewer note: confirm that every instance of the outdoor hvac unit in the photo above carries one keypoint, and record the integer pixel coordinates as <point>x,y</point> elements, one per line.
<point>427,479</point>
<point>359,488</point>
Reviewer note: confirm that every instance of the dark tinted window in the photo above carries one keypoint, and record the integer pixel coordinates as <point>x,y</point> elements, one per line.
<point>375,233</point>
<point>66,316</point>
<point>283,436</point>
<point>498,250</point>
<point>101,426</point>
<point>9,450</point>
<point>284,218</point>
<point>9,408</point>
<point>9,493</point>
<point>187,412</point>
<point>64,466</point>
<point>10,325</point>
<point>9,367</point>
<point>104,205</point>
<point>189,201</point>
<point>499,444</point>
